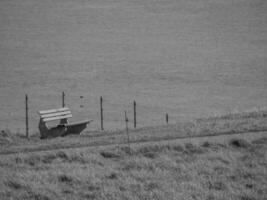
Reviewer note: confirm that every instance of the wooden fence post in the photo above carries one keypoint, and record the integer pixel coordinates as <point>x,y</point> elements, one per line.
<point>167,118</point>
<point>134,114</point>
<point>63,99</point>
<point>27,115</point>
<point>101,113</point>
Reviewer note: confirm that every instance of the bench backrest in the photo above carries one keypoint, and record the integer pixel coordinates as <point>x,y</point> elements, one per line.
<point>55,114</point>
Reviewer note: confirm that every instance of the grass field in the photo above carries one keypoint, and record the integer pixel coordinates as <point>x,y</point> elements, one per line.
<point>234,169</point>
<point>239,123</point>
<point>185,57</point>
<point>178,161</point>
<point>189,58</point>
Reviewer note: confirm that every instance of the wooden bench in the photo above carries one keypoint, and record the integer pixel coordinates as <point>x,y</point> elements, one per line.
<point>63,128</point>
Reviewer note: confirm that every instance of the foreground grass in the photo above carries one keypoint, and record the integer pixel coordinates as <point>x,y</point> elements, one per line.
<point>236,169</point>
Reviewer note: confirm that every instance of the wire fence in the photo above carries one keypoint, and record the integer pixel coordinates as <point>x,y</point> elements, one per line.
<point>106,113</point>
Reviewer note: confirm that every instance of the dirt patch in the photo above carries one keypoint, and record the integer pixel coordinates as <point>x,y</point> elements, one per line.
<point>239,143</point>
<point>107,154</point>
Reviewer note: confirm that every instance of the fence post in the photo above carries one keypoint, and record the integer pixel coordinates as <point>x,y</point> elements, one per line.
<point>167,118</point>
<point>63,99</point>
<point>127,131</point>
<point>27,115</point>
<point>101,113</point>
<point>134,114</point>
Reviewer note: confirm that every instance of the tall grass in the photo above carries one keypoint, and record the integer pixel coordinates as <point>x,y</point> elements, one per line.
<point>235,170</point>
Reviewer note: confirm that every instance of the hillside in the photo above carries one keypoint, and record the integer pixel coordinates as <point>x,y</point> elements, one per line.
<point>232,169</point>
<point>235,123</point>
<point>215,158</point>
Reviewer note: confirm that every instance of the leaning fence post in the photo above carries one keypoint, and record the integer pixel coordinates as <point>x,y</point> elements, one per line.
<point>134,114</point>
<point>63,99</point>
<point>101,113</point>
<point>27,115</point>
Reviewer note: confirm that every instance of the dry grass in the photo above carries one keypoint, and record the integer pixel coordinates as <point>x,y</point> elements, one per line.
<point>207,169</point>
<point>235,170</point>
<point>226,124</point>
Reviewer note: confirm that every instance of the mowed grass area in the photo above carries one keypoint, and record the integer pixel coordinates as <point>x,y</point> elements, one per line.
<point>183,57</point>
<point>233,169</point>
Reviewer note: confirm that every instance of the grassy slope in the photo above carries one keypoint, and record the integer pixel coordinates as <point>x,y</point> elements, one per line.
<point>236,169</point>
<point>227,124</point>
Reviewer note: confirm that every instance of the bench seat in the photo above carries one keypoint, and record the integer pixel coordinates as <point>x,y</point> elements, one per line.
<point>76,127</point>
